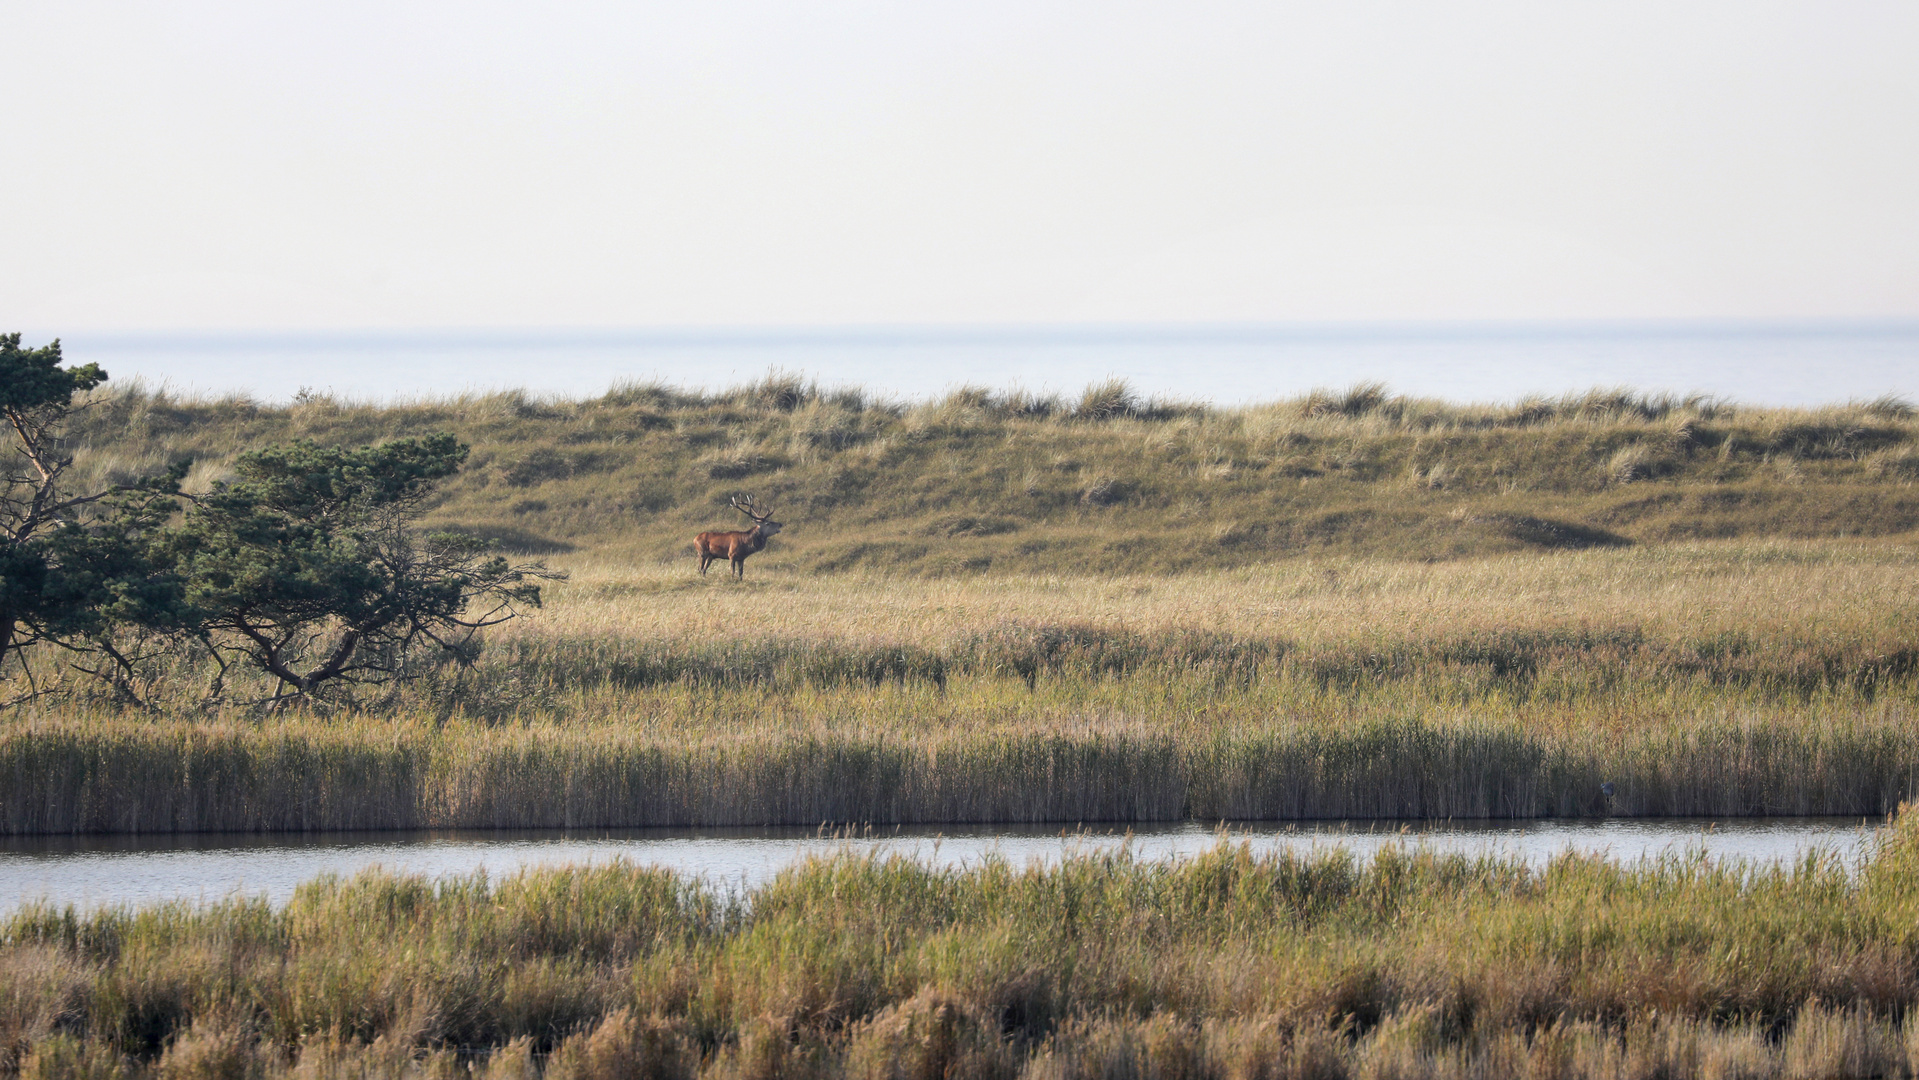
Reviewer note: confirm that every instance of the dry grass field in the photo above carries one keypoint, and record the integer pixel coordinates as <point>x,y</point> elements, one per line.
<point>1677,592</point>
<point>1727,678</point>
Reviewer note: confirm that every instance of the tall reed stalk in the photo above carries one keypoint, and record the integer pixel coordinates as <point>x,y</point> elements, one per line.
<point>160,777</point>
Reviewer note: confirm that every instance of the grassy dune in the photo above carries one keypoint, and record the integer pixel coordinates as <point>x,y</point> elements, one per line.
<point>1706,679</point>
<point>993,482</point>
<point>1226,965</point>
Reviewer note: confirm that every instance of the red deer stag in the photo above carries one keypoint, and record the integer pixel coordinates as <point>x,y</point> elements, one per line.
<point>737,545</point>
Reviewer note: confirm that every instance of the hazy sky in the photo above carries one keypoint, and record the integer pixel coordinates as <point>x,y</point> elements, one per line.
<point>271,165</point>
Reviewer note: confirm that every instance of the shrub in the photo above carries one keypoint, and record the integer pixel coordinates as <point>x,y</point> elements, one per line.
<point>1107,400</point>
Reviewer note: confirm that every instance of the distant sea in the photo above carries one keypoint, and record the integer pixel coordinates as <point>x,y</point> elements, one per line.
<point>1797,363</point>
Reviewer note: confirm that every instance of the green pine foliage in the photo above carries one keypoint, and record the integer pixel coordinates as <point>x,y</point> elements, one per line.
<point>304,564</point>
<point>307,567</point>
<point>56,573</point>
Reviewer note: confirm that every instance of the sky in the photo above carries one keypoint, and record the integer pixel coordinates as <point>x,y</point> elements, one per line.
<point>248,166</point>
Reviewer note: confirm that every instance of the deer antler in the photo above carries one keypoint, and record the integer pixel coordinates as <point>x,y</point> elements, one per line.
<point>745,505</point>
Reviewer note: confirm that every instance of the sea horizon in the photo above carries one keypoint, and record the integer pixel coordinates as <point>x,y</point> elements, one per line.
<point>1757,362</point>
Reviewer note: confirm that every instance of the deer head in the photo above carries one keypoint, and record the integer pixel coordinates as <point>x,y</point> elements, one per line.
<point>762,523</point>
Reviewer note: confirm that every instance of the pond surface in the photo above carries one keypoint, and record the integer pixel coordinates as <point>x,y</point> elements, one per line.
<point>91,871</point>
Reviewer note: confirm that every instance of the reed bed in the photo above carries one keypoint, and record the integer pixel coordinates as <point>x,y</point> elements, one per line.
<point>306,775</point>
<point>1223,965</point>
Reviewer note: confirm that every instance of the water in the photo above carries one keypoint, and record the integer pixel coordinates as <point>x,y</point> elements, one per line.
<point>93,871</point>
<point>1761,364</point>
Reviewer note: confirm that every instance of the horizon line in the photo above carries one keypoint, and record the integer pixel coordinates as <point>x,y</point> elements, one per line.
<point>882,334</point>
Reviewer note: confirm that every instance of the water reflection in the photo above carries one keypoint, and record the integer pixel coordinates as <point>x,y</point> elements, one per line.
<point>91,871</point>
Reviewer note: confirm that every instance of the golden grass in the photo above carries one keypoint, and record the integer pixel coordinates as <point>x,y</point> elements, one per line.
<point>1720,679</point>
<point>1677,591</point>
<point>1224,965</point>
